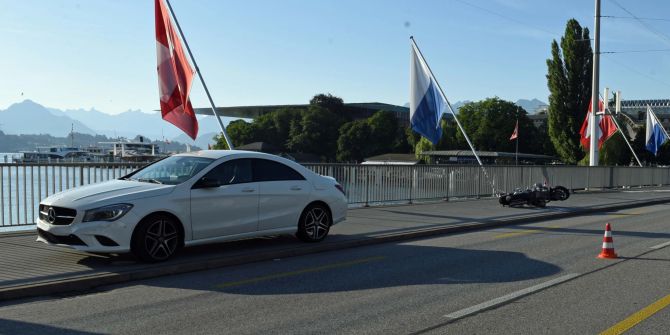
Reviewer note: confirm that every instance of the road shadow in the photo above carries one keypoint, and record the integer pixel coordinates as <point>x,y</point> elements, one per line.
<point>21,327</point>
<point>123,262</point>
<point>393,265</point>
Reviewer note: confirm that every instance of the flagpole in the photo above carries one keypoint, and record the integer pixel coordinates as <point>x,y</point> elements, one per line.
<point>516,156</point>
<point>517,146</point>
<point>593,117</point>
<point>517,150</point>
<point>467,139</point>
<point>197,70</point>
<point>607,108</point>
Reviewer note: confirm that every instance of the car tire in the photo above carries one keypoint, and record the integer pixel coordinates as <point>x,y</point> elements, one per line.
<point>156,238</point>
<point>314,223</point>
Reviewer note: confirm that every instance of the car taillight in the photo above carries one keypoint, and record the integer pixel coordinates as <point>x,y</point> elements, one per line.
<point>340,188</point>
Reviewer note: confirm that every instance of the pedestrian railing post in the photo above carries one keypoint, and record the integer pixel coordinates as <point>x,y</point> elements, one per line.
<point>479,182</point>
<point>448,183</point>
<point>367,187</point>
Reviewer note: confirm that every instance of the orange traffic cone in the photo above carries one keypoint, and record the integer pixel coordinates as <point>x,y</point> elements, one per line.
<point>608,244</point>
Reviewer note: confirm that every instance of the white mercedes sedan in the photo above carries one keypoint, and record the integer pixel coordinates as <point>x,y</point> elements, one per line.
<point>192,199</point>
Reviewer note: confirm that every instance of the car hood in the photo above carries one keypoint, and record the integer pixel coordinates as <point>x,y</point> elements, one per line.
<point>107,192</point>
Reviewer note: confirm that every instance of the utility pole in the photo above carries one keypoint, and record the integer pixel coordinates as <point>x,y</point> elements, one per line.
<point>595,107</point>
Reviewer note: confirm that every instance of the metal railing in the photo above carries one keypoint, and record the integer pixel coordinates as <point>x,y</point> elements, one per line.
<point>23,186</point>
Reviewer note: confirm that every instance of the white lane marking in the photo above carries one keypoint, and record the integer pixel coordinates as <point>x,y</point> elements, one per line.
<point>662,245</point>
<point>514,295</point>
<point>647,191</point>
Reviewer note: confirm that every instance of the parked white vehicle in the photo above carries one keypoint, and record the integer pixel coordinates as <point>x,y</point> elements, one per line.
<point>191,199</point>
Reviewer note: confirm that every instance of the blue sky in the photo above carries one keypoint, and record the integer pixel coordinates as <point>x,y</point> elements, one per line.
<point>101,53</point>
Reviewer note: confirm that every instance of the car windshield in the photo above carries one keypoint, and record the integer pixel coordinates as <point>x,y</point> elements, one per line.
<point>172,170</point>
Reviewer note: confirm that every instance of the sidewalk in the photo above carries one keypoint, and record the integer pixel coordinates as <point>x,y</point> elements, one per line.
<point>29,268</point>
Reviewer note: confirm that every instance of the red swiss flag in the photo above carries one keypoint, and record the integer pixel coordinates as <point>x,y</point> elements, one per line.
<point>174,75</point>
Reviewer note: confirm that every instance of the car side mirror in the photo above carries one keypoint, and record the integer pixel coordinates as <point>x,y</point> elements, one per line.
<point>205,182</point>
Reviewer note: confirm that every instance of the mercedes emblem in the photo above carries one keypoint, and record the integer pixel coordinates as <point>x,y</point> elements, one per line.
<point>51,215</point>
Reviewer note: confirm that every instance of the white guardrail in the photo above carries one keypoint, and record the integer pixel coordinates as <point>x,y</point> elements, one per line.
<point>23,186</point>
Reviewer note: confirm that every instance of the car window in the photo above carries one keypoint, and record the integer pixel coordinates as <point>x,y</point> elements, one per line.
<point>236,171</point>
<point>267,170</point>
<point>172,170</point>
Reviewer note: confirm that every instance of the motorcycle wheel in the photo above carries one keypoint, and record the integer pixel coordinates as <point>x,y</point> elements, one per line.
<point>560,193</point>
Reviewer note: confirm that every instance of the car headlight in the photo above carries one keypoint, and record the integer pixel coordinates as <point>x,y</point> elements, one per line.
<point>107,213</point>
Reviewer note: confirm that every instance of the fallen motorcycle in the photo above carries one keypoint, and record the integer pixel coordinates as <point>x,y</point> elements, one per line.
<point>537,195</point>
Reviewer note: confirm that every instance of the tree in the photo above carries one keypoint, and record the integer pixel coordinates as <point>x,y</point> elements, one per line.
<point>329,102</point>
<point>615,151</point>
<point>544,145</point>
<point>354,141</point>
<point>239,131</point>
<point>490,123</point>
<point>450,140</point>
<point>284,119</point>
<point>412,137</point>
<point>423,145</point>
<point>378,134</point>
<point>569,79</point>
<point>315,133</point>
<point>383,132</point>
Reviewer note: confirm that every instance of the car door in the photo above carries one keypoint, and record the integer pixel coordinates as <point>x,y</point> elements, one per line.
<point>224,202</point>
<point>284,193</point>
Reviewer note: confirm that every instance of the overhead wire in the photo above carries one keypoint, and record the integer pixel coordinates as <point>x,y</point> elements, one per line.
<point>642,23</point>
<point>507,17</point>
<point>631,69</point>
<point>634,51</point>
<point>634,18</point>
<point>604,53</point>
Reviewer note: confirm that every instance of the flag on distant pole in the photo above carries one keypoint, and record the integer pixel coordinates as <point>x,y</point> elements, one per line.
<point>515,134</point>
<point>426,104</point>
<point>174,75</point>
<point>656,134</point>
<point>606,128</point>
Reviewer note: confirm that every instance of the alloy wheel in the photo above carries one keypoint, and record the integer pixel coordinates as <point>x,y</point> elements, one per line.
<point>161,239</point>
<point>317,223</point>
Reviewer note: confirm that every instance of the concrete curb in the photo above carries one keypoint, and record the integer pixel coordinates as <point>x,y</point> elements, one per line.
<point>87,282</point>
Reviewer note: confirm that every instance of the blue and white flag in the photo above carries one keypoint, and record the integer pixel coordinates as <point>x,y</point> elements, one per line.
<point>656,135</point>
<point>426,104</point>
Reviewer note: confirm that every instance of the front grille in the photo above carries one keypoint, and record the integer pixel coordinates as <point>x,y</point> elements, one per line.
<point>56,239</point>
<point>62,216</point>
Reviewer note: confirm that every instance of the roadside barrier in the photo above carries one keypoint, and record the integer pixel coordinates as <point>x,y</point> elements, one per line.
<point>23,186</point>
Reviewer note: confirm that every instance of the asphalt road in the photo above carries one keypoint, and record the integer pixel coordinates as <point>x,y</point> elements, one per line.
<point>541,278</point>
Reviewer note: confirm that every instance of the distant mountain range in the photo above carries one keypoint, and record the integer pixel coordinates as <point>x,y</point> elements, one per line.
<point>29,117</point>
<point>531,106</point>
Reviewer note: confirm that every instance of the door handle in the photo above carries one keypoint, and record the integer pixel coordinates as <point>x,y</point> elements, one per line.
<point>248,190</point>
<point>296,188</point>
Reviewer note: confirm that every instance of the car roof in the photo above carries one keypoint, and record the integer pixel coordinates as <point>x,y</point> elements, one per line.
<point>216,154</point>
